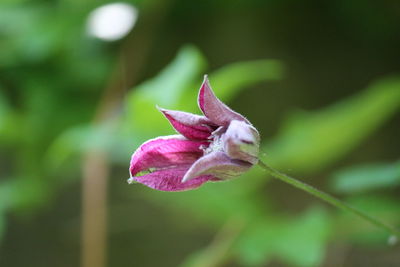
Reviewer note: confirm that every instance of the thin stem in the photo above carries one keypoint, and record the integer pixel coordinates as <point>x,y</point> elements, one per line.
<point>328,198</point>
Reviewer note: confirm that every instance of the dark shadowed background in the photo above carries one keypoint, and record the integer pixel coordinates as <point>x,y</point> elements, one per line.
<point>78,89</point>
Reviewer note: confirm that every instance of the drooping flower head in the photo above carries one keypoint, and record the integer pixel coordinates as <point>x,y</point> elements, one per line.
<point>216,146</point>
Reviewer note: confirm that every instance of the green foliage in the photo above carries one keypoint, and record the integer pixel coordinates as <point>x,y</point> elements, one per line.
<point>4,199</point>
<point>67,148</point>
<point>382,206</point>
<point>232,78</point>
<point>2,224</point>
<point>307,142</point>
<point>299,241</point>
<point>164,90</point>
<point>364,178</point>
<point>4,116</point>
<point>52,79</point>
<point>41,95</point>
<point>310,141</point>
<point>23,194</point>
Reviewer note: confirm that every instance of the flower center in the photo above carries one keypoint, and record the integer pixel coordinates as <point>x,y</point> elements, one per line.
<point>216,143</point>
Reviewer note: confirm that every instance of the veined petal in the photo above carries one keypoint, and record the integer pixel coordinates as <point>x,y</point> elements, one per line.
<point>214,109</point>
<point>189,125</point>
<point>217,164</point>
<point>171,180</point>
<point>241,141</point>
<point>167,151</point>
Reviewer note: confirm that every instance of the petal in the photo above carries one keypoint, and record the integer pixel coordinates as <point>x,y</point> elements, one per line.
<point>241,141</point>
<point>214,109</point>
<point>167,151</point>
<point>189,125</point>
<point>217,164</point>
<point>171,180</point>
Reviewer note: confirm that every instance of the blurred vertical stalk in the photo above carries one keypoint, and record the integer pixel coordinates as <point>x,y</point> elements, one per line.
<point>94,209</point>
<point>96,168</point>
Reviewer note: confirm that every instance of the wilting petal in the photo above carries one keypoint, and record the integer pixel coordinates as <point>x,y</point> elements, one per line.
<point>168,151</point>
<point>189,125</point>
<point>171,180</point>
<point>214,109</point>
<point>217,164</point>
<point>241,141</point>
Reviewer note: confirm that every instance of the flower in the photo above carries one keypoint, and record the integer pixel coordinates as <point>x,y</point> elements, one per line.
<point>216,146</point>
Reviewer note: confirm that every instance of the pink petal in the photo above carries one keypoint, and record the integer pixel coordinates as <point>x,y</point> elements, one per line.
<point>214,109</point>
<point>241,141</point>
<point>168,151</point>
<point>171,180</point>
<point>189,125</point>
<point>217,164</point>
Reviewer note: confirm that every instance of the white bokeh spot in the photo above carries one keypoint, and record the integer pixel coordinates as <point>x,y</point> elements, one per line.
<point>112,21</point>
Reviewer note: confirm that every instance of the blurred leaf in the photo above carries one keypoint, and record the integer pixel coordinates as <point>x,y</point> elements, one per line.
<point>10,131</point>
<point>382,206</point>
<point>366,177</point>
<point>230,79</point>
<point>34,32</point>
<point>3,210</point>
<point>299,241</point>
<point>24,194</point>
<point>218,251</point>
<point>73,142</point>
<point>2,225</point>
<point>164,90</point>
<point>213,202</point>
<point>6,194</point>
<point>310,141</point>
<point>4,114</point>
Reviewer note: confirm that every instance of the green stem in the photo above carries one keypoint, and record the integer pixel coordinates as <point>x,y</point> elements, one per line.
<point>328,198</point>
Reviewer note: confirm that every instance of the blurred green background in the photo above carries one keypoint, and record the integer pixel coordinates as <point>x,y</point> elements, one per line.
<point>319,79</point>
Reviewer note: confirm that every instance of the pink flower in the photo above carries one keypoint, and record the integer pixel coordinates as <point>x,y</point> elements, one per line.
<point>216,146</point>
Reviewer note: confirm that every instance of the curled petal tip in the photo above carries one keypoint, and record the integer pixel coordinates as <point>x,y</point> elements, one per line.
<point>215,109</point>
<point>164,111</point>
<point>205,79</point>
<point>192,126</point>
<point>160,109</point>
